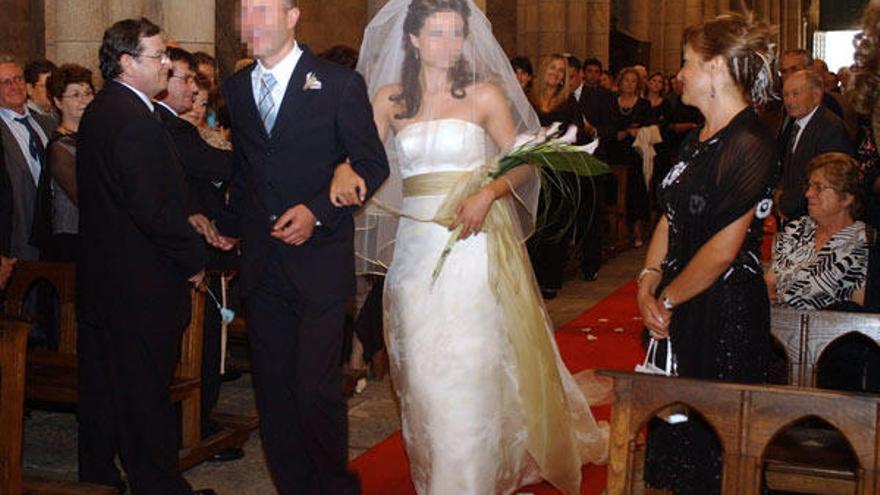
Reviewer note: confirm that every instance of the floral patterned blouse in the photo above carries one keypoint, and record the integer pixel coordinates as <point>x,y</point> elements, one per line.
<point>810,279</point>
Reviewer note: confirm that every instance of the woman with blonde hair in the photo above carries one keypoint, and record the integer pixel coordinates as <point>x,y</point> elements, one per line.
<point>553,102</point>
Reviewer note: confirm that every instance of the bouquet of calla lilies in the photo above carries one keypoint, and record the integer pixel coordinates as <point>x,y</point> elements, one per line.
<point>553,152</point>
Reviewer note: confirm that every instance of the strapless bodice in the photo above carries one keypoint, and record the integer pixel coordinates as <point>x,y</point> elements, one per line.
<point>440,145</point>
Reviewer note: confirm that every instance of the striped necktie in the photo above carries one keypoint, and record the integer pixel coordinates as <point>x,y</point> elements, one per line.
<point>267,105</point>
<point>35,143</point>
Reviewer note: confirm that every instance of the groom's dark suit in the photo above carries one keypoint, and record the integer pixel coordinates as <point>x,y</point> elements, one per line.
<point>296,294</point>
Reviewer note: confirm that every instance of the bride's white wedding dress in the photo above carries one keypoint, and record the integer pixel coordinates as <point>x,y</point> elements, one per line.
<point>453,367</point>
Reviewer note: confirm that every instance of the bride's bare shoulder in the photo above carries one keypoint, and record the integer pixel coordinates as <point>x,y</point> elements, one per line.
<point>385,93</point>
<point>488,93</point>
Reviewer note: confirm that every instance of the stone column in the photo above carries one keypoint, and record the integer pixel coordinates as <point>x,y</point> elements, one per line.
<point>541,28</point>
<point>599,29</point>
<point>576,32</point>
<point>190,23</point>
<point>672,49</point>
<point>791,26</point>
<point>657,35</point>
<point>74,28</point>
<point>693,12</point>
<point>636,18</point>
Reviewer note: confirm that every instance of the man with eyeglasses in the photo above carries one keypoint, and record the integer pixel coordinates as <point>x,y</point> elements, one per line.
<point>24,136</point>
<point>207,170</point>
<point>140,259</point>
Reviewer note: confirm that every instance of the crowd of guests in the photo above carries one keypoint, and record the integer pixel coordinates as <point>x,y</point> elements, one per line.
<point>639,121</point>
<point>751,143</point>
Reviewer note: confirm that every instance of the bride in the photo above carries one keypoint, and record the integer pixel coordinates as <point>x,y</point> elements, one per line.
<point>487,405</point>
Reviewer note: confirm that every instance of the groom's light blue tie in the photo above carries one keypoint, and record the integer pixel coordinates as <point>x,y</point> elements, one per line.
<point>267,105</point>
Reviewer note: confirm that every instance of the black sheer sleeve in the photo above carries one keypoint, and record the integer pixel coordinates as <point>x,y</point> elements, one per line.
<point>62,164</point>
<point>746,170</point>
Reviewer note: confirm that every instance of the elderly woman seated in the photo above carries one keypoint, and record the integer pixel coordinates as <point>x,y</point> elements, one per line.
<point>820,261</point>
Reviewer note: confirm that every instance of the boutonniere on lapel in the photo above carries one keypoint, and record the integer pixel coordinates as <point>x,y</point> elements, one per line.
<point>312,82</point>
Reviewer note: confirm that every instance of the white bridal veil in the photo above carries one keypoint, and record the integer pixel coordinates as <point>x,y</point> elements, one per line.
<point>381,62</point>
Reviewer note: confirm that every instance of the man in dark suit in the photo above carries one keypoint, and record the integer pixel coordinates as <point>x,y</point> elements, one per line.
<point>595,104</point>
<point>24,135</point>
<point>814,130</point>
<point>134,279</point>
<point>207,170</point>
<point>294,118</point>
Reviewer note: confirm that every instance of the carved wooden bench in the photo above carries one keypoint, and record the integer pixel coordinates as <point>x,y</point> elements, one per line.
<point>806,334</point>
<point>746,419</point>
<point>52,376</point>
<point>13,341</point>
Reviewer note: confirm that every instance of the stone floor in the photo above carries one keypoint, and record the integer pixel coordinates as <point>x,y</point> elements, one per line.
<point>50,437</point>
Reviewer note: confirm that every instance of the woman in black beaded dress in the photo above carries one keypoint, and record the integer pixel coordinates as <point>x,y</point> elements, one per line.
<point>702,286</point>
<point>548,247</point>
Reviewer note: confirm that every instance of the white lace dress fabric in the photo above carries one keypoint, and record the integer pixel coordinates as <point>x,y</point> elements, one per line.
<point>453,368</point>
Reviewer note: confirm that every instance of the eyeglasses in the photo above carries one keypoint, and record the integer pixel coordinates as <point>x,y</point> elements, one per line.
<point>818,187</point>
<point>12,80</point>
<point>187,79</point>
<point>162,56</point>
<point>76,95</point>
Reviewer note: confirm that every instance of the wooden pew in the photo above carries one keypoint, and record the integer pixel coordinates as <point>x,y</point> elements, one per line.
<point>13,341</point>
<point>746,418</point>
<point>806,334</point>
<point>52,376</point>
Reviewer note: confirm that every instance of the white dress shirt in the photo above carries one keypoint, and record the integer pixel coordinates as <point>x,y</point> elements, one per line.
<point>140,94</point>
<point>282,72</point>
<point>23,137</point>
<point>802,124</point>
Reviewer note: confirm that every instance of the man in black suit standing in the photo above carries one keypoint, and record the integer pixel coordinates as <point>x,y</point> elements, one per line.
<point>814,130</point>
<point>134,278</point>
<point>207,170</point>
<point>595,105</point>
<point>294,118</point>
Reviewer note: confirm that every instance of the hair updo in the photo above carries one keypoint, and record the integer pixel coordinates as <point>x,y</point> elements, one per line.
<point>747,48</point>
<point>459,74</point>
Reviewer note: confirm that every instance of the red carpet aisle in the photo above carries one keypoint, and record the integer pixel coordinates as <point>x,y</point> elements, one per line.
<point>604,336</point>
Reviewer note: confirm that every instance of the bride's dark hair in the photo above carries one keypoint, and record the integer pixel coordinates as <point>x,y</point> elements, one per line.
<point>459,74</point>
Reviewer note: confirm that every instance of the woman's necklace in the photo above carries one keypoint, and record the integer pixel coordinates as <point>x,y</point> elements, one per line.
<point>625,110</point>
<point>67,130</point>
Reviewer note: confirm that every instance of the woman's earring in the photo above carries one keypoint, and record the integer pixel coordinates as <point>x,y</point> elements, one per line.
<point>416,51</point>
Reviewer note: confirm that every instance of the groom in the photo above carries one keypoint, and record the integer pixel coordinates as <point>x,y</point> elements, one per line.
<point>294,118</point>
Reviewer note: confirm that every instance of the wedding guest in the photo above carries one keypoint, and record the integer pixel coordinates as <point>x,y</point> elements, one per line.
<point>25,135</point>
<point>813,130</point>
<point>798,59</point>
<point>36,72</point>
<point>820,260</point>
<point>553,102</point>
<point>630,112</point>
<point>703,286</point>
<point>606,80</point>
<point>198,116</point>
<point>134,280</point>
<point>71,90</point>
<point>522,66</point>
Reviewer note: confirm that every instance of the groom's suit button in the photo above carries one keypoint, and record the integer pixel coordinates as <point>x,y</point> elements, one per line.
<point>273,218</point>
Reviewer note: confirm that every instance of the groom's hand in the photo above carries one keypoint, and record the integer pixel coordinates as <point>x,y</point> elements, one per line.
<point>295,226</point>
